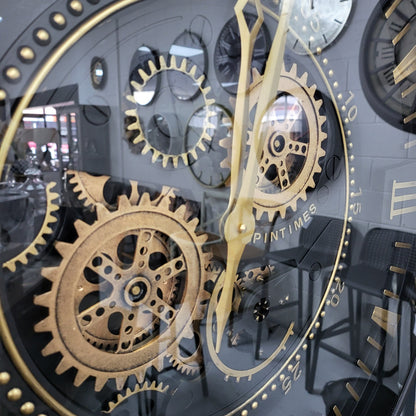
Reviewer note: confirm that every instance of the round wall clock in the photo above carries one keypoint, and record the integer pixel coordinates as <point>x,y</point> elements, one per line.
<point>227,228</point>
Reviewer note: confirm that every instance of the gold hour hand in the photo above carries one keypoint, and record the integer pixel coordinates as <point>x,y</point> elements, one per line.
<point>239,224</point>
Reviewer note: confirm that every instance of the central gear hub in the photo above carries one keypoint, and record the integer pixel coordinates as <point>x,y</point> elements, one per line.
<point>131,303</point>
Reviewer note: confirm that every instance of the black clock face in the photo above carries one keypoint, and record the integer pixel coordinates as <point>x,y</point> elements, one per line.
<point>220,223</point>
<point>386,61</point>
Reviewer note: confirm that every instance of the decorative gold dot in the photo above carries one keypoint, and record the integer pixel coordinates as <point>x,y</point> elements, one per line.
<point>264,396</point>
<point>42,36</point>
<point>14,394</point>
<point>328,303</point>
<point>350,145</point>
<point>42,414</point>
<point>325,61</point>
<point>349,231</point>
<point>343,108</point>
<point>336,85</point>
<point>352,158</point>
<point>323,313</point>
<point>76,6</point>
<point>305,347</point>
<point>347,243</point>
<point>349,219</point>
<point>331,73</point>
<point>297,358</point>
<point>352,170</point>
<point>290,367</point>
<point>27,408</point>
<point>351,207</point>
<point>26,54</point>
<point>281,377</point>
<point>59,19</point>
<point>254,405</point>
<point>318,51</point>
<point>344,255</point>
<point>4,378</point>
<point>340,97</point>
<point>244,413</point>
<point>242,228</point>
<point>273,387</point>
<point>349,132</point>
<point>346,120</point>
<point>12,73</point>
<point>317,325</point>
<point>340,267</point>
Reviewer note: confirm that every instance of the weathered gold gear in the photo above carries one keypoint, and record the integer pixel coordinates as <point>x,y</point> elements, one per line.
<point>287,165</point>
<point>45,229</point>
<point>106,298</point>
<point>91,189</point>
<point>204,137</point>
<point>139,388</point>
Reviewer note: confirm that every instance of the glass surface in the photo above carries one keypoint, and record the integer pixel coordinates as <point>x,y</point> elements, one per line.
<point>227,226</point>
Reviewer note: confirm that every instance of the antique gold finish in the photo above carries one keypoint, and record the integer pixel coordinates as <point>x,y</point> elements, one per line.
<point>14,394</point>
<point>13,73</point>
<point>51,207</point>
<point>204,138</point>
<point>27,54</point>
<point>95,351</point>
<point>76,6</point>
<point>91,189</point>
<point>3,95</point>
<point>386,319</point>
<point>42,35</point>
<point>406,67</point>
<point>392,8</point>
<point>352,391</point>
<point>27,408</point>
<point>4,378</point>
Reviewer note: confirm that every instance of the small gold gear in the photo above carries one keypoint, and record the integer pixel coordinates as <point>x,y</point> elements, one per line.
<point>288,162</point>
<point>139,388</point>
<point>91,189</point>
<point>45,229</point>
<point>116,282</point>
<point>204,137</point>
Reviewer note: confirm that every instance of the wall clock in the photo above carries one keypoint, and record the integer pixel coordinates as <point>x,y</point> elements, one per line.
<point>254,254</point>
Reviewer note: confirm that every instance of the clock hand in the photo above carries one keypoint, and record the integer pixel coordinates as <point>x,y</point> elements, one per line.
<point>240,223</point>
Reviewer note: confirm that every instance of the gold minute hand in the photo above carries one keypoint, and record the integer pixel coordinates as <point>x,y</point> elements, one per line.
<point>240,223</point>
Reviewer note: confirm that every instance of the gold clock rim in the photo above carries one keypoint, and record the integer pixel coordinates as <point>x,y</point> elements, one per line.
<point>41,74</point>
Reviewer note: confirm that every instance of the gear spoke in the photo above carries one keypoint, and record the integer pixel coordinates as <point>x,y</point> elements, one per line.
<point>283,175</point>
<point>161,309</point>
<point>105,267</point>
<point>127,334</point>
<point>298,148</point>
<point>145,245</point>
<point>170,270</point>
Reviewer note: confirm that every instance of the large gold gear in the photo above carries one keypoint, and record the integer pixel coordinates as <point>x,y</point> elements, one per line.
<point>204,137</point>
<point>288,164</point>
<point>45,229</point>
<point>132,270</point>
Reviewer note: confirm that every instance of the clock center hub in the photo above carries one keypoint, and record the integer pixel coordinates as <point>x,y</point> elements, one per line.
<point>136,291</point>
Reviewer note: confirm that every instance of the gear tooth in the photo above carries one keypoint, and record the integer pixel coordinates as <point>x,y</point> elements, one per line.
<point>133,126</point>
<point>123,202</point>
<point>139,138</point>
<point>192,72</point>
<point>51,348</point>
<point>304,78</point>
<point>210,101</point>
<point>64,249</point>
<point>81,227</point>
<point>258,215</point>
<point>175,160</point>
<point>64,365</point>
<point>312,91</point>
<point>193,223</point>
<point>162,62</point>
<point>45,325</point>
<point>282,211</point>
<point>50,273</point>
<point>131,99</point>
<point>11,265</point>
<point>145,200</point>
<point>294,70</point>
<point>145,77</point>
<point>184,64</point>
<point>137,87</point>
<point>80,378</point>
<point>131,113</point>
<point>120,382</point>
<point>173,62</point>
<point>139,376</point>
<point>156,155</point>
<point>152,66</point>
<point>45,299</point>
<point>201,146</point>
<point>181,211</point>
<point>322,120</point>
<point>99,383</point>
<point>206,90</point>
<point>185,159</point>
<point>102,212</point>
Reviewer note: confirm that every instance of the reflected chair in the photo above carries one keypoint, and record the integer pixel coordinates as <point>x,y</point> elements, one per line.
<point>385,270</point>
